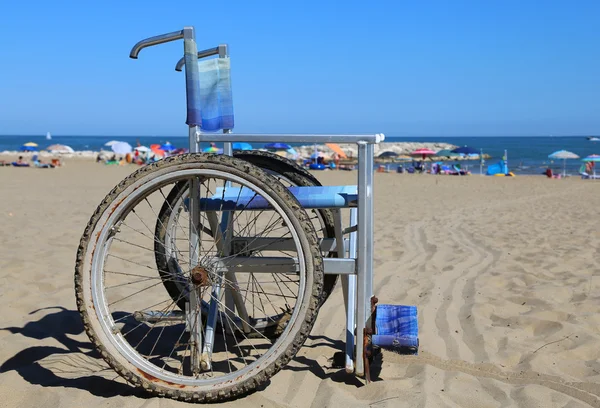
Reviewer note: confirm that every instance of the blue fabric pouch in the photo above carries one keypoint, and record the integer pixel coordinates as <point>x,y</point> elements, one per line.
<point>216,100</point>
<point>396,328</point>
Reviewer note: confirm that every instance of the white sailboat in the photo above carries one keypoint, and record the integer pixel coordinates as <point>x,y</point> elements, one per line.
<point>48,136</point>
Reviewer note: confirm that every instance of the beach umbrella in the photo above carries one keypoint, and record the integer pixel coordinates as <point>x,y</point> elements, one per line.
<point>277,146</point>
<point>28,149</point>
<point>241,146</point>
<point>388,155</point>
<point>423,153</point>
<point>30,144</point>
<point>564,155</point>
<point>142,149</point>
<point>466,150</point>
<point>112,142</point>
<point>157,150</point>
<point>121,148</point>
<point>592,158</point>
<point>167,147</point>
<point>336,148</point>
<point>59,148</point>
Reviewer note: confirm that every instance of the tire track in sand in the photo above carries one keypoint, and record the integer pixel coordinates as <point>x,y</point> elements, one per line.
<point>427,320</point>
<point>585,392</point>
<point>447,319</point>
<point>464,292</point>
<point>470,335</point>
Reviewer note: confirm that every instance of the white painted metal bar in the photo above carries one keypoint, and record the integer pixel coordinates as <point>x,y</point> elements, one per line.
<point>349,347</point>
<point>351,298</point>
<point>370,228</point>
<point>222,49</point>
<point>217,287</point>
<point>226,217</point>
<point>231,288</point>
<point>339,237</point>
<point>362,263</point>
<point>295,138</point>
<point>159,316</point>
<point>159,39</point>
<point>193,312</point>
<point>341,250</point>
<point>250,244</point>
<point>287,265</point>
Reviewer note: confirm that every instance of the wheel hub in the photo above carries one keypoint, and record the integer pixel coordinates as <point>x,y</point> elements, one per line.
<point>200,276</point>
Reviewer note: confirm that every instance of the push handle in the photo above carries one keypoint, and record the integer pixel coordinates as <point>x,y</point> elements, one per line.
<point>221,51</point>
<point>159,39</point>
<point>190,50</point>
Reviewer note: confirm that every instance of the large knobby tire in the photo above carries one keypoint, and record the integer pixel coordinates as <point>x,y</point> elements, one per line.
<point>107,341</point>
<point>275,165</point>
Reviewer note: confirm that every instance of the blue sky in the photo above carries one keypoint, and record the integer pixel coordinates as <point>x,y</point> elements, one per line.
<point>404,68</point>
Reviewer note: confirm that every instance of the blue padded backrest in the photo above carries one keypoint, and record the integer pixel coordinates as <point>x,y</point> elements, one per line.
<point>216,101</point>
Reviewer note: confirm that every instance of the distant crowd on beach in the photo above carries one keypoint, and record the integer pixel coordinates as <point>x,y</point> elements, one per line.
<point>123,154</point>
<point>401,157</point>
<point>35,162</point>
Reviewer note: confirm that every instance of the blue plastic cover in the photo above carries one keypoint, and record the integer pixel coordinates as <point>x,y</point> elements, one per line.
<point>236,198</point>
<point>397,328</point>
<point>216,100</point>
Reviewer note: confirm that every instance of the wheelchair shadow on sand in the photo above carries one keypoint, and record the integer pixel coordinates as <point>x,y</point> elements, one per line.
<point>78,365</point>
<point>74,365</point>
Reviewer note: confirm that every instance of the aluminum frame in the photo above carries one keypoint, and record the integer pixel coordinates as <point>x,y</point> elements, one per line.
<point>355,265</point>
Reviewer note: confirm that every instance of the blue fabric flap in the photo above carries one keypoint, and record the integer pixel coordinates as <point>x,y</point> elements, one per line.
<point>397,328</point>
<point>216,100</point>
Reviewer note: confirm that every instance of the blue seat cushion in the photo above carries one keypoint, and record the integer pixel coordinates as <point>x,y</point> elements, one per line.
<point>243,198</point>
<point>396,328</point>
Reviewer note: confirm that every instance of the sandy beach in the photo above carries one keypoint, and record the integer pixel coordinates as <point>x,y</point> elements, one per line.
<point>505,273</point>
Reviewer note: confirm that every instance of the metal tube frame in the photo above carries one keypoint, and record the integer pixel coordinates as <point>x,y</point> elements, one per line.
<point>295,138</point>
<point>221,50</point>
<point>358,287</point>
<point>193,310</point>
<point>349,288</point>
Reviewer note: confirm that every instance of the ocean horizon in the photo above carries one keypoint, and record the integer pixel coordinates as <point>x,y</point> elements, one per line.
<point>526,154</point>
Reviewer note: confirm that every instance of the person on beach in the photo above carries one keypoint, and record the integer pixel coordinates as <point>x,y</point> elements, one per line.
<point>20,161</point>
<point>589,167</point>
<point>336,160</point>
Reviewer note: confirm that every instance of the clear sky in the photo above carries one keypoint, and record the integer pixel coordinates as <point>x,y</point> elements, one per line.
<point>404,68</point>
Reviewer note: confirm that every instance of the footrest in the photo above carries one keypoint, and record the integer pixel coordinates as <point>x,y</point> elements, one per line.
<point>396,328</point>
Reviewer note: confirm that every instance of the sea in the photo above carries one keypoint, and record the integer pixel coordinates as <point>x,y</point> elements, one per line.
<point>526,155</point>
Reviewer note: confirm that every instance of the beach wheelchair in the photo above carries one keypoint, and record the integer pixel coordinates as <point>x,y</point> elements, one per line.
<point>200,276</point>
